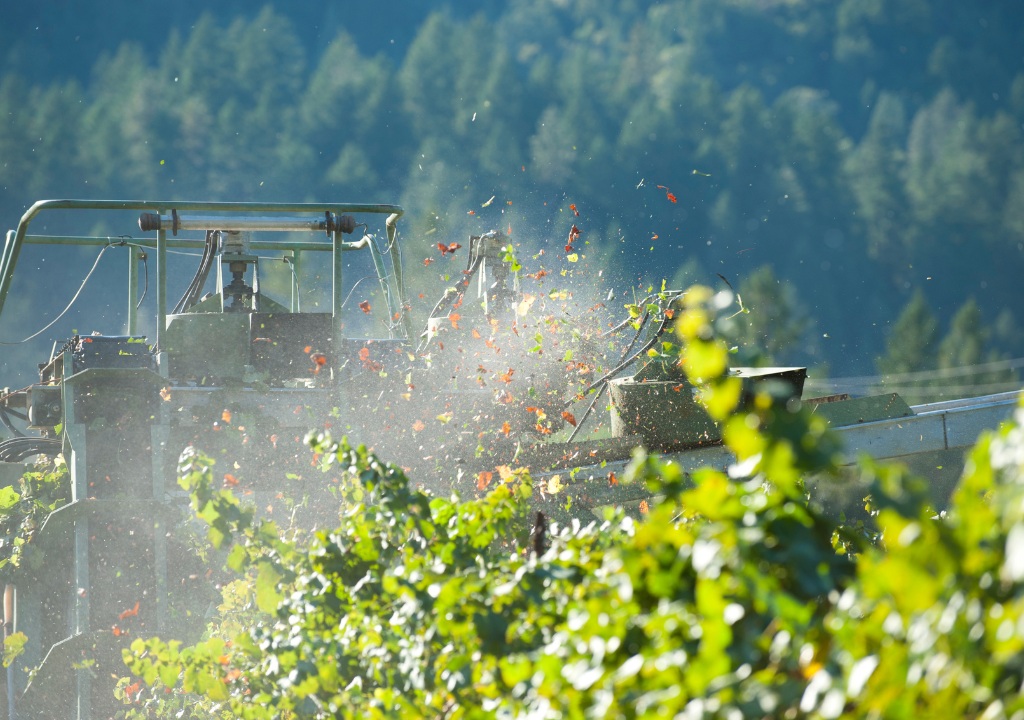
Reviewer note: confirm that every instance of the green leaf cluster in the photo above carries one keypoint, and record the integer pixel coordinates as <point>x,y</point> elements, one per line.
<point>23,510</point>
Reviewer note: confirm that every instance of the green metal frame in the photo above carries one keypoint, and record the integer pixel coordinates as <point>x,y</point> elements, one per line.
<point>394,285</point>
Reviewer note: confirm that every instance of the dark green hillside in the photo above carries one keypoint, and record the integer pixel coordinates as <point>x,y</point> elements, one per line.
<point>859,151</point>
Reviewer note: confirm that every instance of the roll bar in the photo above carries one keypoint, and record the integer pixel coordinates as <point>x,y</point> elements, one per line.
<point>163,216</point>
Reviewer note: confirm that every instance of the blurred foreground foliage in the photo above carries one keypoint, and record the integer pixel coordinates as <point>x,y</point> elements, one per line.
<point>731,597</point>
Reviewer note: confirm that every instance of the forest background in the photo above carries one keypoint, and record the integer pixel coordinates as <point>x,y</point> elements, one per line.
<point>855,168</point>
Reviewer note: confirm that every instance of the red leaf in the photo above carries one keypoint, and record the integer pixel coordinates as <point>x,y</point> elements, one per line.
<point>670,196</point>
<point>364,354</point>
<point>365,306</point>
<point>574,210</point>
<point>130,613</point>
<point>427,261</point>
<point>568,249</point>
<point>318,359</point>
<point>449,248</point>
<point>574,233</point>
<point>569,417</point>
<point>483,479</point>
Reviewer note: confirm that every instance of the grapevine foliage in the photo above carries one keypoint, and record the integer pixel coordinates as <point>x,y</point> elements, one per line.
<point>731,597</point>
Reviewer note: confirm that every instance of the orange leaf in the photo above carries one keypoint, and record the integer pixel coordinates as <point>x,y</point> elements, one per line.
<point>574,210</point>
<point>230,480</point>
<point>308,349</point>
<point>569,417</point>
<point>418,426</point>
<point>671,197</point>
<point>644,509</point>
<point>483,479</point>
<point>365,306</point>
<point>318,359</point>
<point>364,354</point>
<point>506,428</point>
<point>612,480</point>
<point>531,409</point>
<point>226,416</point>
<point>130,613</point>
<point>476,334</point>
<point>455,317</point>
<point>427,261</point>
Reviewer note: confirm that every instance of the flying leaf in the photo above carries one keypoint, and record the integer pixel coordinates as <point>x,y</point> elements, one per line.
<point>524,305</point>
<point>450,248</point>
<point>574,210</point>
<point>671,197</point>
<point>130,613</point>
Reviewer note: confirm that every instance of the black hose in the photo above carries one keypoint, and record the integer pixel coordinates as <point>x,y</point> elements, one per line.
<point>6,420</point>
<point>195,288</point>
<point>22,448</point>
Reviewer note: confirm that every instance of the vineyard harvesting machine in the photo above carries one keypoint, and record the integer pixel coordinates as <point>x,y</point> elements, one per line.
<point>243,364</point>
